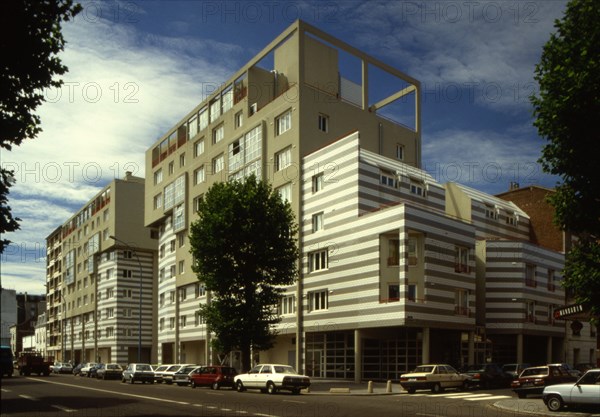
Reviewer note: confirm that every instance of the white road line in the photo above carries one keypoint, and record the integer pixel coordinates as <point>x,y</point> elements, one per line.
<point>5,390</point>
<point>28,397</point>
<point>264,415</point>
<point>295,402</point>
<point>492,397</point>
<point>61,408</point>
<point>463,395</point>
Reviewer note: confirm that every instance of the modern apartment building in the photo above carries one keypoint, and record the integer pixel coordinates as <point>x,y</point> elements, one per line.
<point>100,279</point>
<point>301,92</point>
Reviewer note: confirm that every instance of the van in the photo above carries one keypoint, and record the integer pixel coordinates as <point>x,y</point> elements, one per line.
<point>6,361</point>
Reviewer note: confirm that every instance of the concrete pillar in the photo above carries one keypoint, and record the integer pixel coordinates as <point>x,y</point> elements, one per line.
<point>520,348</point>
<point>357,356</point>
<point>425,345</point>
<point>471,354</point>
<point>549,350</point>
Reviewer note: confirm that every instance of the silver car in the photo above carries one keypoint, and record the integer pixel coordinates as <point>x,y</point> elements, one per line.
<point>586,391</point>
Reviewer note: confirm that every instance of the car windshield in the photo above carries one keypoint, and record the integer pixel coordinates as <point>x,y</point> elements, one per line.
<point>144,368</point>
<point>423,369</point>
<point>284,370</point>
<point>113,366</point>
<point>543,370</point>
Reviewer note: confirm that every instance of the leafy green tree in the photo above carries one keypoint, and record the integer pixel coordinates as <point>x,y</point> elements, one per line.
<point>244,249</point>
<point>567,110</point>
<point>30,39</point>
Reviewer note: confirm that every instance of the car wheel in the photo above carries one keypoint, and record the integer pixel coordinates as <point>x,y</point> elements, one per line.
<point>122,380</point>
<point>465,386</point>
<point>215,386</point>
<point>131,381</point>
<point>555,403</point>
<point>271,389</point>
<point>193,384</point>
<point>436,388</point>
<point>240,386</point>
<point>411,390</point>
<point>521,395</point>
<point>296,391</point>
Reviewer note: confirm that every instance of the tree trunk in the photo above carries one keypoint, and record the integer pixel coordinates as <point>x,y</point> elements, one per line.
<point>246,359</point>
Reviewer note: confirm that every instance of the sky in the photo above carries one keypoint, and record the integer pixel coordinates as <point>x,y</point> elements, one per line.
<point>137,67</point>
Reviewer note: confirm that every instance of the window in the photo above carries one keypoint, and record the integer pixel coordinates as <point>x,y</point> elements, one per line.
<point>171,322</point>
<point>551,284</point>
<point>109,273</point>
<point>530,275</point>
<point>318,300</point>
<point>171,297</point>
<point>127,273</point>
<point>180,239</point>
<point>199,147</point>
<point>127,254</point>
<point>215,109</point>
<point>110,312</point>
<point>218,133</point>
<point>203,121</point>
<point>413,255</point>
<point>158,200</point>
<point>183,320</point>
<point>283,123</point>
<point>317,182</point>
<point>162,299</point>
<point>318,260</point>
<point>173,270</point>
<point>285,191</point>
<point>110,293</point>
<point>511,219</point>
<point>399,152</point>
<point>161,323</point>
<point>197,201</point>
<point>239,119</point>
<point>388,179</point>
<point>491,212</point>
<point>192,127</point>
<point>199,318</point>
<point>218,164</point>
<point>461,259</point>
<point>317,222</point>
<point>199,175</point>
<point>182,293</point>
<point>283,159</point>
<point>158,177</point>
<point>182,160</point>
<point>530,311</point>
<point>417,188</point>
<point>181,267</point>
<point>127,294</point>
<point>179,218</point>
<point>110,332</point>
<point>171,167</point>
<point>323,123</point>
<point>393,252</point>
<point>287,305</point>
<point>106,212</point>
<point>412,292</point>
<point>393,292</point>
<point>172,246</point>
<point>461,302</point>
<point>200,290</point>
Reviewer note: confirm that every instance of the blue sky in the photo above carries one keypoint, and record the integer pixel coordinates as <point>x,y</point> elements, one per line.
<point>137,67</point>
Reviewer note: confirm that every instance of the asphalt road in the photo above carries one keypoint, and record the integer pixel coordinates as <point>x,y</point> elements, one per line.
<point>70,396</point>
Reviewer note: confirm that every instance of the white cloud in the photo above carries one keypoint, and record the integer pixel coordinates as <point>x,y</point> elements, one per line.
<point>124,90</point>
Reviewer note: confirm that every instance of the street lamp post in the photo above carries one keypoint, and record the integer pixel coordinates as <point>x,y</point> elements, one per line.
<point>140,297</point>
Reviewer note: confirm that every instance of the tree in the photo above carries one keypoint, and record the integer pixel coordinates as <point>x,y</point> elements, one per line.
<point>566,110</point>
<point>244,250</point>
<point>30,39</point>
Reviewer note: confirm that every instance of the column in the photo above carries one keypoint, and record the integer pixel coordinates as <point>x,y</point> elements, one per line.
<point>425,345</point>
<point>549,350</point>
<point>471,355</point>
<point>520,348</point>
<point>357,356</point>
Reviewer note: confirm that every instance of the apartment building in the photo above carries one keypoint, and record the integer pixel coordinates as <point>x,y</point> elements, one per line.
<point>301,92</point>
<point>100,279</point>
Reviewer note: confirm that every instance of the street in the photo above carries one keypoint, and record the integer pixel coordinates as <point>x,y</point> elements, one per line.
<point>75,396</point>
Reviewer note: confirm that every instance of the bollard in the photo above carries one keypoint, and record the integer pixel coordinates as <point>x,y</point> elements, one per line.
<point>388,388</point>
<point>370,387</point>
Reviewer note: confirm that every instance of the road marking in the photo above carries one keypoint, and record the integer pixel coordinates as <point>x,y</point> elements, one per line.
<point>264,415</point>
<point>491,397</point>
<point>65,409</point>
<point>225,409</point>
<point>5,390</point>
<point>111,392</point>
<point>462,395</point>
<point>295,402</point>
<point>28,397</point>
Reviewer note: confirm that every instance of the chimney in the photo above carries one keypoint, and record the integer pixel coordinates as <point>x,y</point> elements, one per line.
<point>514,185</point>
<point>128,175</point>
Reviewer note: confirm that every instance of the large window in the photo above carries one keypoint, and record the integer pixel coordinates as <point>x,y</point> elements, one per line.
<point>413,253</point>
<point>318,260</point>
<point>461,302</point>
<point>318,300</point>
<point>158,176</point>
<point>283,123</point>
<point>203,120</point>
<point>192,127</point>
<point>287,305</point>
<point>530,275</point>
<point>218,133</point>
<point>393,252</point>
<point>285,191</point>
<point>283,159</point>
<point>317,222</point>
<point>199,175</point>
<point>199,147</point>
<point>461,259</point>
<point>218,164</point>
<point>318,182</point>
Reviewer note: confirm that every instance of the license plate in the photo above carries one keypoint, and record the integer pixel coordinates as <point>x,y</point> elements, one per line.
<point>412,379</point>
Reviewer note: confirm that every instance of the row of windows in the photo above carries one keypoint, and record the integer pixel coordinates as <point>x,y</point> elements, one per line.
<point>198,320</point>
<point>199,291</point>
<point>317,300</point>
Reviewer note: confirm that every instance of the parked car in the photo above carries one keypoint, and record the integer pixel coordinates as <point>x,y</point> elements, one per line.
<point>181,377</point>
<point>86,368</point>
<point>514,369</point>
<point>93,372</point>
<point>584,367</point>
<point>158,372</point>
<point>167,376</point>
<point>487,375</point>
<point>272,378</point>
<point>7,366</point>
<point>434,377</point>
<point>110,371</point>
<point>62,368</point>
<point>586,391</point>
<point>77,369</point>
<point>569,369</point>
<point>135,372</point>
<point>214,376</point>
<point>533,380</point>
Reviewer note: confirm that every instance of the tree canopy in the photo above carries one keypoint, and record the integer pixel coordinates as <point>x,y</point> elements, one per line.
<point>566,110</point>
<point>244,248</point>
<point>30,39</point>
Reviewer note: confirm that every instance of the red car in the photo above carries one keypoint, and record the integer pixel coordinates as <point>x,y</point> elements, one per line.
<point>533,380</point>
<point>214,376</point>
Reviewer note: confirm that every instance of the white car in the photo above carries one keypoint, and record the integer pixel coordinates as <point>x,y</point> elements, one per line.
<point>272,378</point>
<point>434,377</point>
<point>167,375</point>
<point>586,391</point>
<point>85,369</point>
